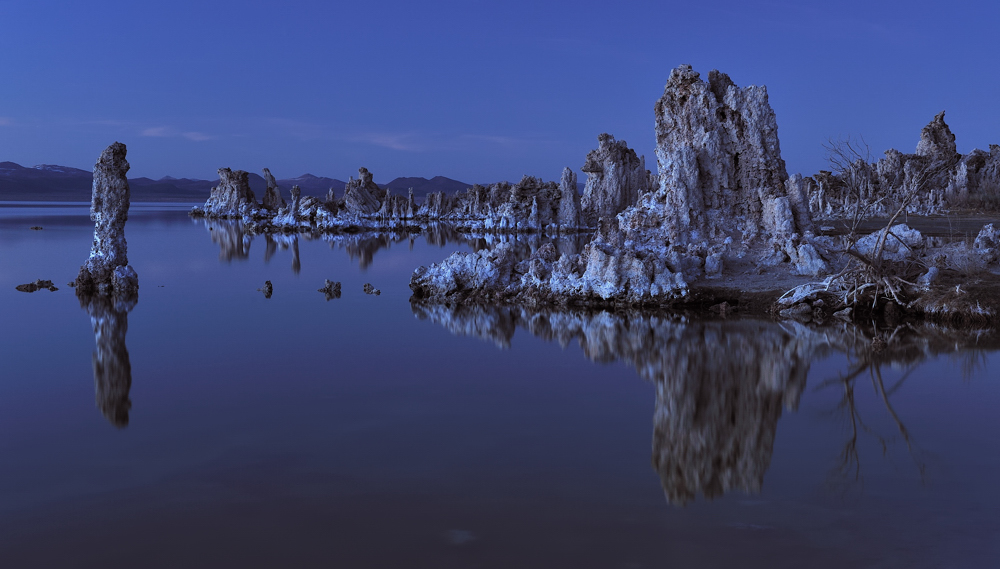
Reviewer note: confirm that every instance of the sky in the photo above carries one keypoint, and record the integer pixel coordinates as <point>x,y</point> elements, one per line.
<point>474,90</point>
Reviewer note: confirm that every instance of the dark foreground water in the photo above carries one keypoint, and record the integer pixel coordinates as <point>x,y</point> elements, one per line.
<point>211,427</point>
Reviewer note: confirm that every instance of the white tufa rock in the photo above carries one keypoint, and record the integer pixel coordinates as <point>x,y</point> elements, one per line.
<point>107,271</point>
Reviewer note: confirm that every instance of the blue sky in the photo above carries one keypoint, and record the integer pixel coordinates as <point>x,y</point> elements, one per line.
<point>474,90</point>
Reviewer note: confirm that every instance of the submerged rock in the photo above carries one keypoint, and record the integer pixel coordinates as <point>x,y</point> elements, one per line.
<point>37,285</point>
<point>331,289</point>
<point>107,271</point>
<point>369,289</point>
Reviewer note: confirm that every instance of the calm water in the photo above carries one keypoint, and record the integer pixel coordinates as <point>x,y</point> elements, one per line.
<point>366,432</point>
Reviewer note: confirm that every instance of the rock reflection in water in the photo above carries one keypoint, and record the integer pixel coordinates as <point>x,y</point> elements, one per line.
<point>112,370</point>
<point>234,241</point>
<point>721,386</point>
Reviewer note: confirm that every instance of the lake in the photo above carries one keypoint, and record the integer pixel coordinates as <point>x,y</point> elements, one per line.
<point>210,426</point>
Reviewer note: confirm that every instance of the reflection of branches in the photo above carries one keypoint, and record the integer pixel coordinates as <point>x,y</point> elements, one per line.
<point>849,455</point>
<point>884,349</point>
<point>970,362</point>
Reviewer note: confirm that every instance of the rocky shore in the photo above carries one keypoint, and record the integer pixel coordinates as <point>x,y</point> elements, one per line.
<point>722,225</point>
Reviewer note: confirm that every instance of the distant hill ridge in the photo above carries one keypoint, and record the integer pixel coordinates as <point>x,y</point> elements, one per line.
<point>48,182</point>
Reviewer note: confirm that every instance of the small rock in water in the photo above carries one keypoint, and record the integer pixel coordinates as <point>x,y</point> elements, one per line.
<point>801,311</point>
<point>369,289</point>
<point>267,290</point>
<point>36,227</point>
<point>37,285</point>
<point>844,314</point>
<point>722,309</point>
<point>331,289</point>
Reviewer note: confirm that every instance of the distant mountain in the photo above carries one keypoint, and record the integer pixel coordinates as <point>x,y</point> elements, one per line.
<point>47,182</point>
<point>423,186</point>
<point>313,185</point>
<point>38,183</point>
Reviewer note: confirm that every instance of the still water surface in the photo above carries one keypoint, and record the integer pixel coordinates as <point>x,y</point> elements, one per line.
<point>365,431</point>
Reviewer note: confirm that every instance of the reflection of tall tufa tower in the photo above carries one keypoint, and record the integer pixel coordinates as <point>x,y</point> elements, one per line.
<point>112,370</point>
<point>718,404</point>
<point>720,385</point>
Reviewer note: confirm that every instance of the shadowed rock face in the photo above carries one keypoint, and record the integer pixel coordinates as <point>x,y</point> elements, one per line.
<point>272,195</point>
<point>616,177</point>
<point>569,200</point>
<point>721,172</point>
<point>107,271</point>
<point>112,369</point>
<point>937,140</point>
<point>363,196</point>
<point>232,198</point>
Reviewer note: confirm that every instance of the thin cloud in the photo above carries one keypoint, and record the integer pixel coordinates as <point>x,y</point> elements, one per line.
<point>197,136</point>
<point>504,140</point>
<point>5,121</point>
<point>407,142</point>
<point>158,131</point>
<point>168,132</point>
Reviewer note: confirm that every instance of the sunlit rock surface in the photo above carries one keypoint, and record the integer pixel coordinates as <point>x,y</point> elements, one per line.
<point>107,271</point>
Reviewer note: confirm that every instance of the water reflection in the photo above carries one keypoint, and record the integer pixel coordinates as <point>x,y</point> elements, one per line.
<point>900,351</point>
<point>112,369</point>
<point>721,386</point>
<point>234,241</point>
